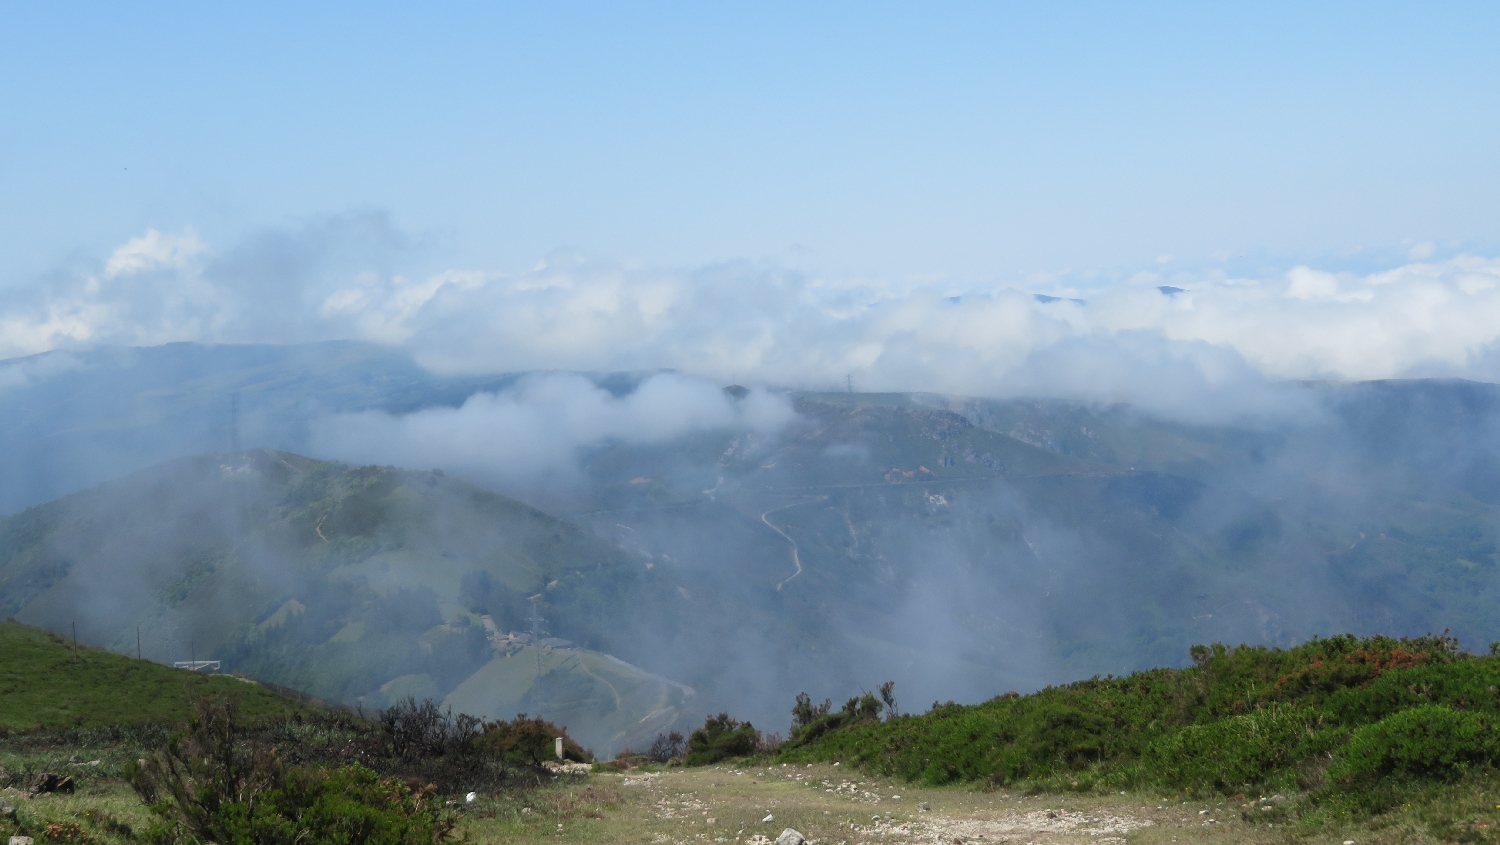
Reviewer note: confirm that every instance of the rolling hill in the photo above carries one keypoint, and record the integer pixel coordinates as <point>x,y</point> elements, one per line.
<point>961,546</point>
<point>360,585</point>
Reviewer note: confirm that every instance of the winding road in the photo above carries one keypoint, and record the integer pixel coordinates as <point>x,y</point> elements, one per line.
<point>796,557</point>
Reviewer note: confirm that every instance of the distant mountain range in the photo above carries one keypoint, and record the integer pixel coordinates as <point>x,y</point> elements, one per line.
<point>960,546</point>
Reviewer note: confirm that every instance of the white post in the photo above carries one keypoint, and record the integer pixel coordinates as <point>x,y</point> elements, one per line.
<point>559,748</point>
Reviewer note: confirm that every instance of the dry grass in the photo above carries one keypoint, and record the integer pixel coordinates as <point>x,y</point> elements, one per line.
<point>829,805</point>
<point>833,806</point>
<point>106,814</point>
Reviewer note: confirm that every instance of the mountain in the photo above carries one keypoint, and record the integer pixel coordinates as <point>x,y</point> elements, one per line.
<point>70,420</point>
<point>961,546</point>
<point>354,584</point>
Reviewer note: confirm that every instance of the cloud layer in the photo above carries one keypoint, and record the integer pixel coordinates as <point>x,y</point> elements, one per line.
<point>532,433</point>
<point>1203,338</point>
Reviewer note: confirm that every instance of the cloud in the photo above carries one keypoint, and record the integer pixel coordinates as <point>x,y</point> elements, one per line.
<point>154,250</point>
<point>539,427</point>
<point>1190,343</point>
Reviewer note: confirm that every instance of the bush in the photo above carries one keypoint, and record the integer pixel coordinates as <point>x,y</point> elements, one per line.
<point>667,747</point>
<point>422,729</point>
<point>1430,741</point>
<point>206,785</point>
<point>720,738</point>
<point>530,742</point>
<point>1248,750</point>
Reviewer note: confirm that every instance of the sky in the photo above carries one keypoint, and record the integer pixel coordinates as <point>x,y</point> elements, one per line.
<point>842,157</point>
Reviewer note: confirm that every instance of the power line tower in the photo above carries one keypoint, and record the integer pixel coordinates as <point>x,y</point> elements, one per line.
<point>234,422</point>
<point>538,623</point>
<point>538,628</point>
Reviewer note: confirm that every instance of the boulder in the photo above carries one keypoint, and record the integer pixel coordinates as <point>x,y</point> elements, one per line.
<point>7,810</point>
<point>20,840</point>
<point>790,837</point>
<point>49,782</point>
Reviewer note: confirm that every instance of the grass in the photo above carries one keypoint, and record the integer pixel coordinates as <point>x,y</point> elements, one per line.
<point>45,684</point>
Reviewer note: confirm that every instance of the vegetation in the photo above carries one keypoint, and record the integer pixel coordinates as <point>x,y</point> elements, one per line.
<point>721,738</point>
<point>1346,722</point>
<point>530,742</point>
<point>47,683</point>
<point>206,785</point>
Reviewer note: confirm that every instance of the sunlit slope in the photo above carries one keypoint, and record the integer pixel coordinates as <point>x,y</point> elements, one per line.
<point>46,682</point>
<point>331,579</point>
<point>613,704</point>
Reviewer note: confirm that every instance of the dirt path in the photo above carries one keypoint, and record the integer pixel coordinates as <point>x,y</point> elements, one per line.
<point>796,557</point>
<point>832,806</point>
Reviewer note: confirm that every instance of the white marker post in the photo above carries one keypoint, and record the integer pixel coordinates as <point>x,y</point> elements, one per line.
<point>559,748</point>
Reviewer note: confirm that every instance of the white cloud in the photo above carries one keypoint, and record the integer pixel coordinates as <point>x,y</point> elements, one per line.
<point>763,324</point>
<point>537,428</point>
<point>154,250</point>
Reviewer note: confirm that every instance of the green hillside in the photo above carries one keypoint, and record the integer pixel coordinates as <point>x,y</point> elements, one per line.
<point>620,705</point>
<point>352,584</point>
<point>1349,723</point>
<point>45,684</point>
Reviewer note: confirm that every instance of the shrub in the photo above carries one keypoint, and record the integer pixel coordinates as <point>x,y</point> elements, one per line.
<point>206,785</point>
<point>1430,741</point>
<point>804,712</point>
<point>529,741</point>
<point>1248,750</point>
<point>720,738</point>
<point>666,747</point>
<point>1463,685</point>
<point>423,729</point>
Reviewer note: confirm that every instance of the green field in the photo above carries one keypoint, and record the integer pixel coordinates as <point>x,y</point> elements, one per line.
<point>46,684</point>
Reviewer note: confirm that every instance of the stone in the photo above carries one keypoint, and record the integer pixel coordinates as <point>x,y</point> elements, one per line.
<point>924,806</point>
<point>20,840</point>
<point>50,782</point>
<point>790,837</point>
<point>7,810</point>
<point>768,819</point>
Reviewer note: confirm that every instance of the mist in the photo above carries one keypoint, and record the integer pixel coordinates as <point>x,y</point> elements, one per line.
<point>1195,344</point>
<point>799,483</point>
<point>533,434</point>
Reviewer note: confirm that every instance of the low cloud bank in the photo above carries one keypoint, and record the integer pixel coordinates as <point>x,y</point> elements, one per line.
<point>1199,342</point>
<point>534,432</point>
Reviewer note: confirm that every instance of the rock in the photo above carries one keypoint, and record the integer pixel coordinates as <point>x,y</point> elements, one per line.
<point>49,782</point>
<point>768,819</point>
<point>20,840</point>
<point>790,837</point>
<point>7,810</point>
<point>924,807</point>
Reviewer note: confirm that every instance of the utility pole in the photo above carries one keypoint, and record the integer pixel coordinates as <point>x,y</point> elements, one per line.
<point>234,421</point>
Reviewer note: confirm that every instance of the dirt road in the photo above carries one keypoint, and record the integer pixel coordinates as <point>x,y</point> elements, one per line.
<point>833,806</point>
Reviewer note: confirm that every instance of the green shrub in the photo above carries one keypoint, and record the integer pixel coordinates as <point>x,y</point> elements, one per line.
<point>1250,750</point>
<point>720,738</point>
<point>1432,741</point>
<point>529,742</point>
<point>207,785</point>
<point>1469,684</point>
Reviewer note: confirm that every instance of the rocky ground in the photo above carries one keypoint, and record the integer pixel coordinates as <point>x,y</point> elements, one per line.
<point>829,805</point>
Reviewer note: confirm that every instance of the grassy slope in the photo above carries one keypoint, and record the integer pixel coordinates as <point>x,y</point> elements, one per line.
<point>1244,718</point>
<point>42,686</point>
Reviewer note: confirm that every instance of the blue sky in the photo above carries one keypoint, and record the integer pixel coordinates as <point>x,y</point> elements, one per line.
<point>983,143</point>
<point>782,194</point>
